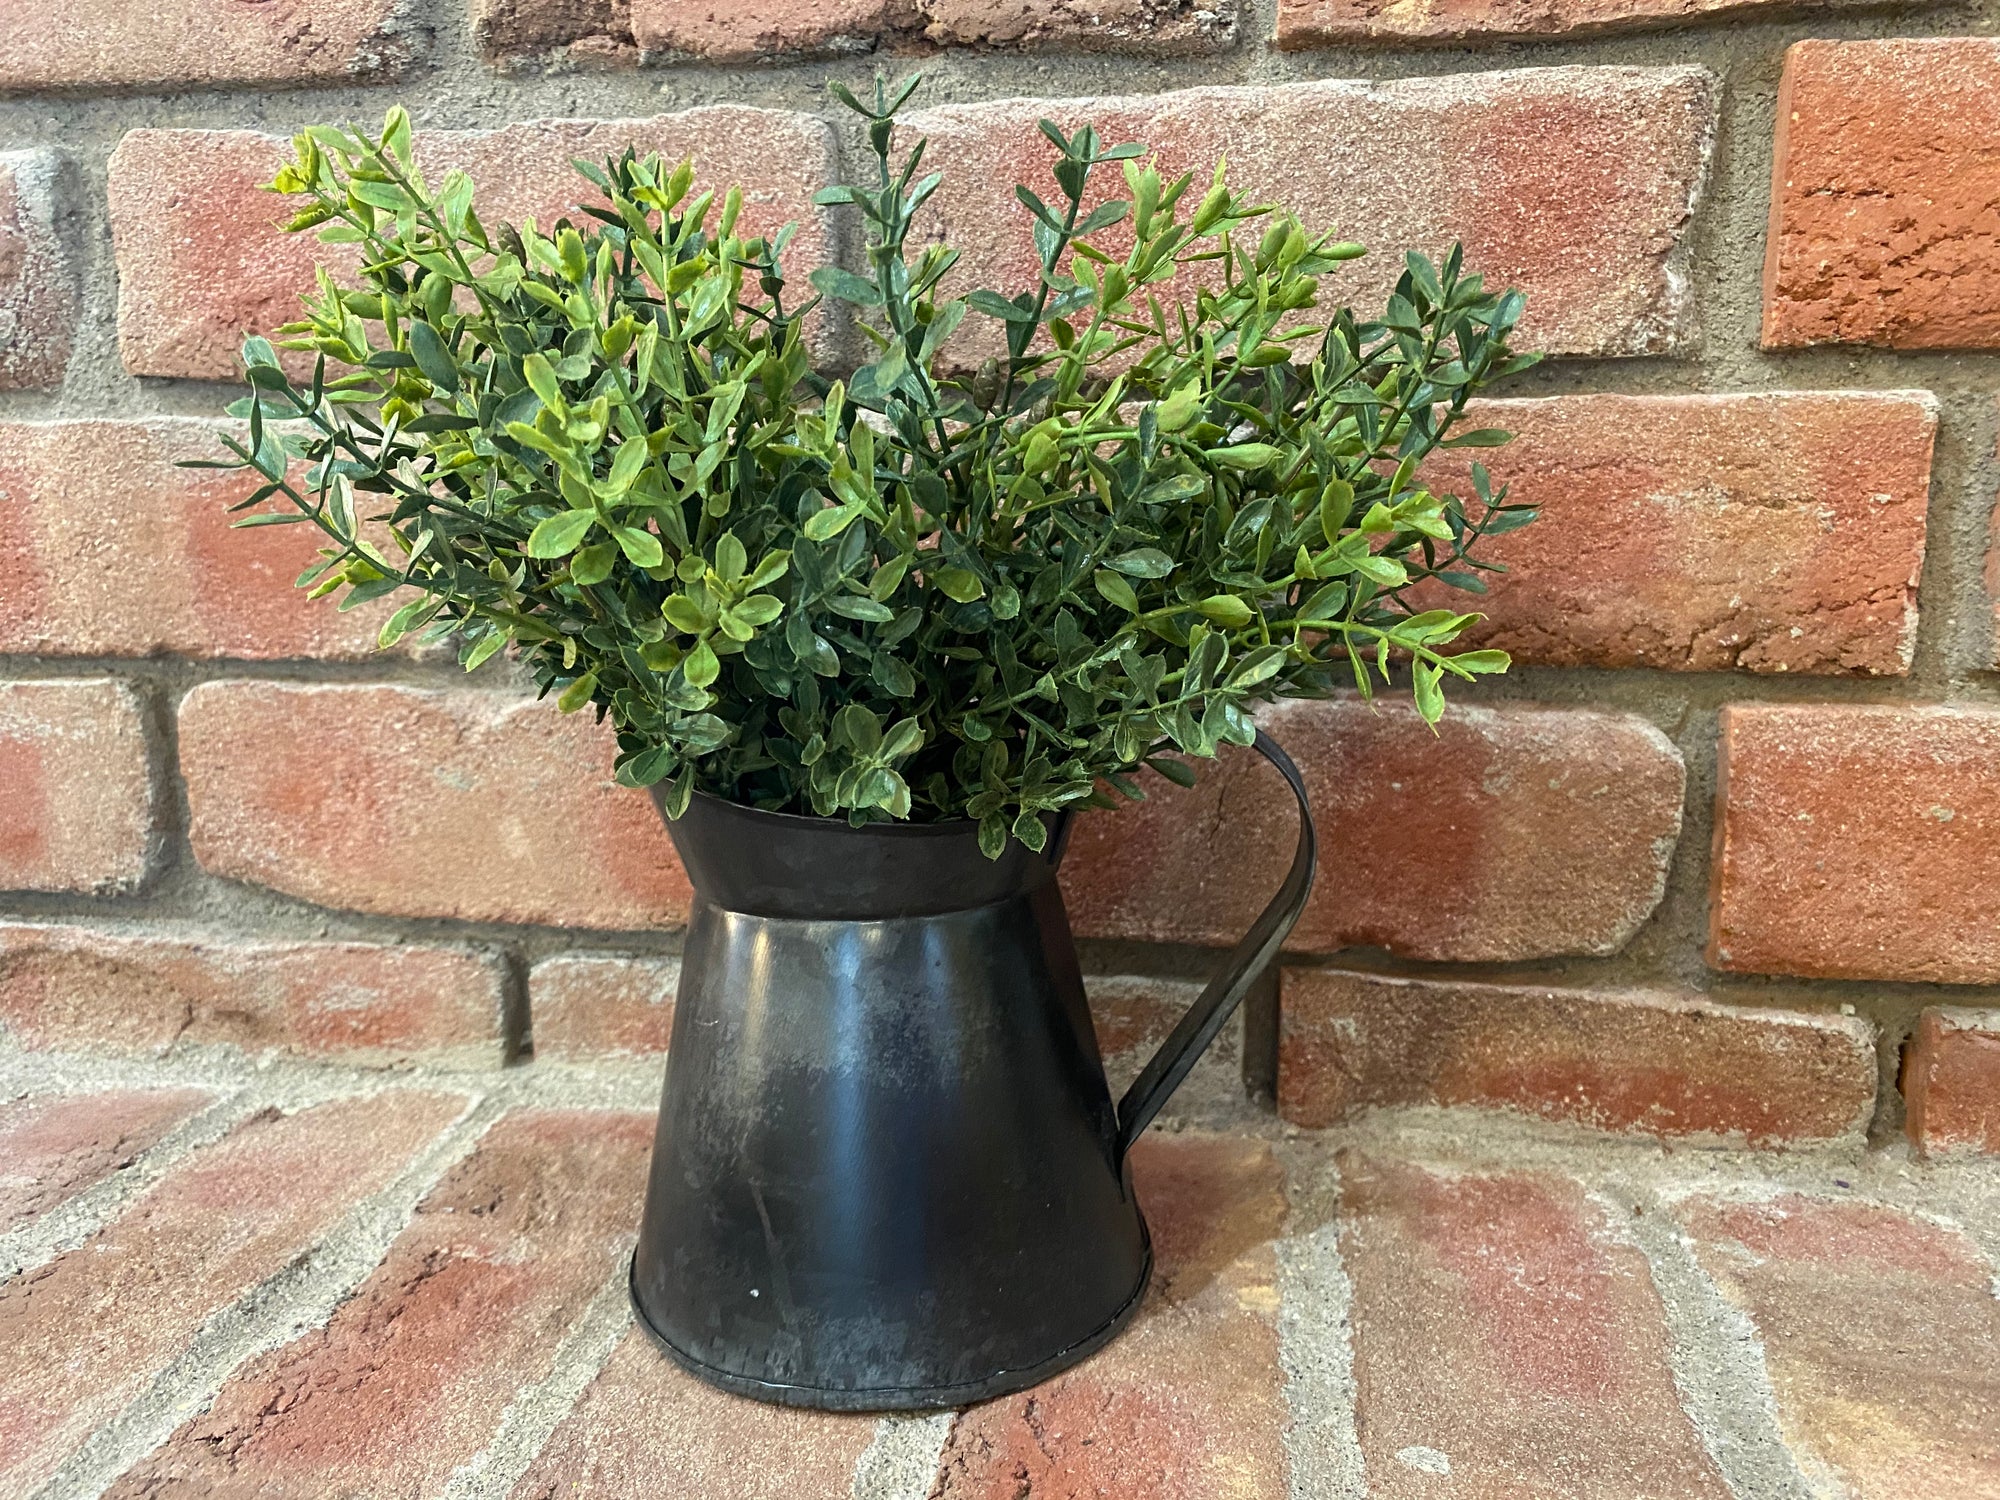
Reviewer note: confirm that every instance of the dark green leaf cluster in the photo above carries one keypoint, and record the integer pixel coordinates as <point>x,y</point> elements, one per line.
<point>931,590</point>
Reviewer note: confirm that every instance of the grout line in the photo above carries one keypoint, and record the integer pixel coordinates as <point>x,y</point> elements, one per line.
<point>70,1223</point>
<point>297,1299</point>
<point>901,1462</point>
<point>536,1412</point>
<point>1316,1344</point>
<point>1717,1360</point>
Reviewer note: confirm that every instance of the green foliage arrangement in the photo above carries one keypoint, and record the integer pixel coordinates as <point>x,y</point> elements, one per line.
<point>923,591</point>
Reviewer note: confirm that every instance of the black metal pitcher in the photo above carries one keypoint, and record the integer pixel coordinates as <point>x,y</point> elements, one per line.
<point>888,1174</point>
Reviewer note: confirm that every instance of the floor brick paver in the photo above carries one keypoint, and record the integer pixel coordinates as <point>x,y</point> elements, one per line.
<point>409,1378</point>
<point>1881,1332</point>
<point>54,1146</point>
<point>85,1333</point>
<point>1506,1338</point>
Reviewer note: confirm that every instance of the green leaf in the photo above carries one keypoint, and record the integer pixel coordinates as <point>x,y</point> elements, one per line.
<point>1480,437</point>
<point>701,666</point>
<point>541,378</point>
<point>1336,503</point>
<point>1430,698</point>
<point>1116,589</point>
<point>577,693</point>
<point>845,286</point>
<point>1142,562</point>
<point>1226,610</point>
<point>1482,661</point>
<point>1245,456</point>
<point>960,584</point>
<point>1383,570</point>
<point>641,548</point>
<point>560,534</point>
<point>433,358</point>
<point>1261,665</point>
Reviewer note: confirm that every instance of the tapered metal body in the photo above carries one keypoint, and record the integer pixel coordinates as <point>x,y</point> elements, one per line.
<point>888,1173</point>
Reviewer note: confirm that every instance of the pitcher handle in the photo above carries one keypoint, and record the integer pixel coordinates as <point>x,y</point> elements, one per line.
<point>1181,1050</point>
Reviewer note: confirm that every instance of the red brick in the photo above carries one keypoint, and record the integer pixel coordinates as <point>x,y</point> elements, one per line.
<point>735,31</point>
<point>52,1147</point>
<point>1188,1404</point>
<point>1883,228</point>
<point>1656,1063</point>
<point>1573,183</point>
<point>723,1447</point>
<point>1779,532</point>
<point>1881,1335</point>
<point>589,1005</point>
<point>1951,1081</point>
<point>511,29</point>
<point>1525,832</point>
<point>76,792</point>
<point>1334,23</point>
<point>202,261</point>
<point>718,31</point>
<point>410,1377</point>
<point>103,44</point>
<point>421,802</point>
<point>1504,1329</point>
<point>1857,842</point>
<point>37,297</point>
<point>95,988</point>
<point>84,1334</point>
<point>173,575</point>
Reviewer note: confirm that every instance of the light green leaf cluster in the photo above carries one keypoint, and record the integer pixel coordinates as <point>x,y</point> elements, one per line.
<point>922,591</point>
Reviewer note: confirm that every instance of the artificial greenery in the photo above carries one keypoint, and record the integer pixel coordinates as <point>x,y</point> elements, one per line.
<point>925,591</point>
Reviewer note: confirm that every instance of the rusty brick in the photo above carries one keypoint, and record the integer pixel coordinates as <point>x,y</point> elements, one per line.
<point>1951,1082</point>
<point>1772,532</point>
<point>1657,1063</point>
<point>76,789</point>
<point>1505,1335</point>
<point>1519,833</point>
<point>410,1377</point>
<point>1884,180</point>
<point>202,260</point>
<point>173,575</point>
<point>77,987</point>
<point>419,802</point>
<point>1334,23</point>
<point>1881,1335</point>
<point>83,1335</point>
<point>53,1146</point>
<point>1857,842</point>
<point>1575,184</point>
<point>37,284</point>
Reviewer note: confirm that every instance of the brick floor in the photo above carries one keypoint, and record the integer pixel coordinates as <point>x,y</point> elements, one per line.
<point>1400,1308</point>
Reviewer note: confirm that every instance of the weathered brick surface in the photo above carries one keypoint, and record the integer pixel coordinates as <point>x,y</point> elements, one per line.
<point>1664,1064</point>
<point>1951,1081</point>
<point>37,292</point>
<point>1518,833</point>
<point>588,1005</point>
<point>1883,225</point>
<point>511,29</point>
<point>718,32</point>
<point>84,1334</point>
<point>53,1146</point>
<point>1573,183</point>
<point>410,1377</point>
<point>1858,842</point>
<point>103,44</point>
<point>1881,1334</point>
<point>1779,532</point>
<point>1506,1335</point>
<point>421,802</point>
<point>1189,1403</point>
<point>85,988</point>
<point>173,575</point>
<point>723,1448</point>
<point>76,794</point>
<point>1334,23</point>
<point>202,260</point>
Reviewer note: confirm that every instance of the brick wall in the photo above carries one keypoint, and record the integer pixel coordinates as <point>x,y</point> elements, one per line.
<point>1718,861</point>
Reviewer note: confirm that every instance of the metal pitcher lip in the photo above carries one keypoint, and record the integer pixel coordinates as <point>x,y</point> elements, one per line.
<point>788,865</point>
